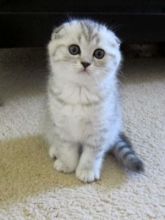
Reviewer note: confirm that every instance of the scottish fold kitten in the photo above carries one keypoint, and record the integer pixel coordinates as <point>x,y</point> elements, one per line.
<point>84,120</point>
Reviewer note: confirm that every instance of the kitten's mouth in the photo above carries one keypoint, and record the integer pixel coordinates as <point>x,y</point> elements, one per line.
<point>84,71</point>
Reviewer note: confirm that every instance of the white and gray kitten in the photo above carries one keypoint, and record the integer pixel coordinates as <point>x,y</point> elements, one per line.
<point>84,120</point>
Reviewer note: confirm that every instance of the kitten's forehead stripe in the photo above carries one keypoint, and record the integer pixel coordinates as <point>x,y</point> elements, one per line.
<point>95,37</point>
<point>79,38</point>
<point>84,30</point>
<point>89,30</point>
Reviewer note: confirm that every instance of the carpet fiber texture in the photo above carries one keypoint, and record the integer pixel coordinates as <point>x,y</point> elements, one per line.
<point>29,186</point>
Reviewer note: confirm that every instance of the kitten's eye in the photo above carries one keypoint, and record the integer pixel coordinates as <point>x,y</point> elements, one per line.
<point>74,49</point>
<point>99,53</point>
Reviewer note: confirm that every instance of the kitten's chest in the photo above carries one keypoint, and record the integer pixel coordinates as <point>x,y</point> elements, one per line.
<point>72,121</point>
<point>76,113</point>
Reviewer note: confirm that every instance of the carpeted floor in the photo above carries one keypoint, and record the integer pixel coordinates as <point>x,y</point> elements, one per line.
<point>29,186</point>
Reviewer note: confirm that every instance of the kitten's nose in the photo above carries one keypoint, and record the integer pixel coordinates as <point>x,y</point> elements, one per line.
<point>85,64</point>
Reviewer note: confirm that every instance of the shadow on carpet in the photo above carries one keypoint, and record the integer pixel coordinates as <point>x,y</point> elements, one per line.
<point>26,170</point>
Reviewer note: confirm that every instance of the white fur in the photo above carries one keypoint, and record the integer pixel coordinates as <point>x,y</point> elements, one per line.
<point>83,120</point>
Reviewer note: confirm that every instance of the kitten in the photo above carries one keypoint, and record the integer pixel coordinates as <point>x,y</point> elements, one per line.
<point>84,120</point>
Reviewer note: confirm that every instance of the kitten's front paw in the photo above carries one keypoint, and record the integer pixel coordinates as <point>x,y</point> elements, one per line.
<point>61,167</point>
<point>87,175</point>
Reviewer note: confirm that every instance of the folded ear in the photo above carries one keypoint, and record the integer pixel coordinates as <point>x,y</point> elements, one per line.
<point>57,32</point>
<point>118,41</point>
<point>114,40</point>
<point>56,35</point>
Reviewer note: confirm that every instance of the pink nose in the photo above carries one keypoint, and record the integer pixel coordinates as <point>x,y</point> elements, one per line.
<point>85,64</point>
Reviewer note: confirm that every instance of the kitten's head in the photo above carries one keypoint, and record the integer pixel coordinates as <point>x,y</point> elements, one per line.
<point>82,50</point>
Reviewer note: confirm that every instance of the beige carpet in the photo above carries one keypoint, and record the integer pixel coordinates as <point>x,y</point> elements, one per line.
<point>29,186</point>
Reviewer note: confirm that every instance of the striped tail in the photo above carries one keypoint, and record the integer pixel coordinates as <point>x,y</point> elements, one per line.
<point>124,152</point>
